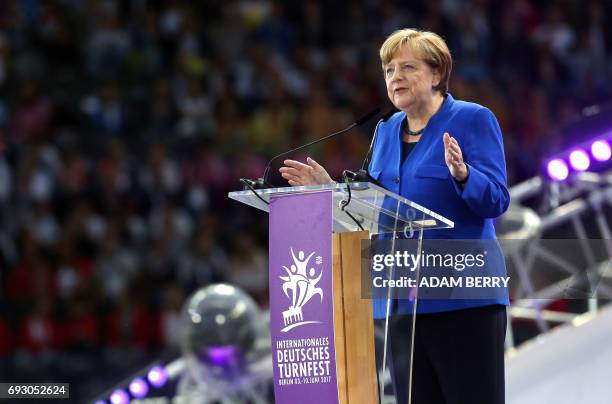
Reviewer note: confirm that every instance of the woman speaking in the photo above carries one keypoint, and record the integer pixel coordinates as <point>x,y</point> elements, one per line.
<point>447,155</point>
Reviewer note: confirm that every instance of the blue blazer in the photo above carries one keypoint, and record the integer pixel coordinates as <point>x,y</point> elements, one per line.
<point>425,179</point>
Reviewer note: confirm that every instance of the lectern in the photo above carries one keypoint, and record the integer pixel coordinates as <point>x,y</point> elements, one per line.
<point>321,322</point>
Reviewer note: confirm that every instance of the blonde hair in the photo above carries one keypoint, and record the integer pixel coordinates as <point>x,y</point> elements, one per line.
<point>427,46</point>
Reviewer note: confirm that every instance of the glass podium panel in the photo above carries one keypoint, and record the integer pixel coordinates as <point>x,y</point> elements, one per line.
<point>358,206</point>
<point>395,333</point>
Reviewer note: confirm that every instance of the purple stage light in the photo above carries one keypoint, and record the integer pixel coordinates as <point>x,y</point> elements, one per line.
<point>600,149</point>
<point>157,376</point>
<point>100,402</point>
<point>119,397</point>
<point>139,388</point>
<point>223,355</point>
<point>557,170</point>
<point>579,160</point>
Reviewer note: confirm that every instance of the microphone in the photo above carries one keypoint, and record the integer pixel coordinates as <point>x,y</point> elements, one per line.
<point>263,182</point>
<point>366,117</point>
<point>383,118</point>
<point>363,175</point>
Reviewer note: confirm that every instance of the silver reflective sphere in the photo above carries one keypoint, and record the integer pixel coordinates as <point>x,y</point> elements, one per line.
<point>220,324</point>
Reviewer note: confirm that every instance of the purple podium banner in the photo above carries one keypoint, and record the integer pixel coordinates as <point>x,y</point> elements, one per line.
<point>301,299</point>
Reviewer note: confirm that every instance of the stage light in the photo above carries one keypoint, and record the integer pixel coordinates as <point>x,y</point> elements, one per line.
<point>557,170</point>
<point>600,149</point>
<point>119,397</point>
<point>157,376</point>
<point>100,402</point>
<point>579,160</point>
<point>223,355</point>
<point>139,388</point>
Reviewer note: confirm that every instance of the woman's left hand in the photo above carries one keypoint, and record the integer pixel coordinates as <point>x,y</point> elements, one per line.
<point>454,158</point>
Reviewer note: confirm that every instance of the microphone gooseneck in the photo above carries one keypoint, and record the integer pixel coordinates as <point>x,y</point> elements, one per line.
<point>383,118</point>
<point>263,182</point>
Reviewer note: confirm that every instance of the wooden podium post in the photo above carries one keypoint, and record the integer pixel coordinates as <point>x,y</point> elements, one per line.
<point>353,323</point>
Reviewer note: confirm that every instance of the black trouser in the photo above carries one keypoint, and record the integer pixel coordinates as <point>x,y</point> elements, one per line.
<point>458,356</point>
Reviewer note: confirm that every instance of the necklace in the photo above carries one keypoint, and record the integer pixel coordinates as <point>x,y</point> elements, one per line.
<point>411,133</point>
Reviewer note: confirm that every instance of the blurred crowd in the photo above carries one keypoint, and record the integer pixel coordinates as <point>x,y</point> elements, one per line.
<point>123,125</point>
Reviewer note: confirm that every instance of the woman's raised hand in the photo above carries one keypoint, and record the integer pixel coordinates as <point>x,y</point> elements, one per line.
<point>454,158</point>
<point>311,173</point>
